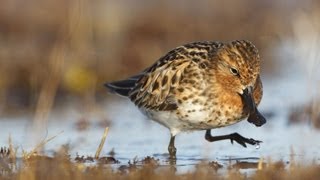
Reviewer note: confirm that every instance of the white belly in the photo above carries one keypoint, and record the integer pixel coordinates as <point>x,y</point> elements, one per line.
<point>189,117</point>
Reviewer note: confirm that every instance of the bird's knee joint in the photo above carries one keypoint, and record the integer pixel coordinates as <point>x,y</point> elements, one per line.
<point>208,136</point>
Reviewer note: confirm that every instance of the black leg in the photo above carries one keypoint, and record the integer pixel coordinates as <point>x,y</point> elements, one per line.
<point>233,137</point>
<point>172,150</point>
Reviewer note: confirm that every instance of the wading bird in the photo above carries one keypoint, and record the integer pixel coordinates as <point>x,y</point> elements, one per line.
<point>199,86</point>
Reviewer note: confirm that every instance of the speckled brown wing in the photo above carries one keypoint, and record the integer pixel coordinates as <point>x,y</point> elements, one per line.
<point>154,89</point>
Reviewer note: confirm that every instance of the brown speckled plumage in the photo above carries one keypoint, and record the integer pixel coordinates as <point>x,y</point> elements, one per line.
<point>199,86</point>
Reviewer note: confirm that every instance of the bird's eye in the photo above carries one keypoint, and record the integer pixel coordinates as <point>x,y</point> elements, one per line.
<point>234,71</point>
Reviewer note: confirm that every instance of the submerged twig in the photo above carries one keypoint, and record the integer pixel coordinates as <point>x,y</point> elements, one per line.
<point>102,143</point>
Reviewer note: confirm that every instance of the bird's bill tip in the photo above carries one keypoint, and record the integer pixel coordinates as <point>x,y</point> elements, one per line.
<point>255,116</point>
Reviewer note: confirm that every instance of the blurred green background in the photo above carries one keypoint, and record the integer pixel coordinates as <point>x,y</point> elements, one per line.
<point>56,51</point>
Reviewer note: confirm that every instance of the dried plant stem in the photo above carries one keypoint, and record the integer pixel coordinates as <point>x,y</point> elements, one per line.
<point>260,164</point>
<point>56,60</point>
<point>40,145</point>
<point>49,88</point>
<point>13,152</point>
<point>102,143</point>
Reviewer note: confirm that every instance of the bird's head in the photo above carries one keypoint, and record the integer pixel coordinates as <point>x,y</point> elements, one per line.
<point>238,68</point>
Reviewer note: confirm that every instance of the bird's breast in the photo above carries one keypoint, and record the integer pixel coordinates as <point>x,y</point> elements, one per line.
<point>212,111</point>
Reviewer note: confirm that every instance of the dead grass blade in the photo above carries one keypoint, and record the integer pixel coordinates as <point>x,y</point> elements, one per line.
<point>102,142</point>
<point>40,145</point>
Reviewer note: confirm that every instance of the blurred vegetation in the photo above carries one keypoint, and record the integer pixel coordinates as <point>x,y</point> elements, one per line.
<point>62,166</point>
<point>56,51</point>
<point>308,113</point>
<point>68,48</point>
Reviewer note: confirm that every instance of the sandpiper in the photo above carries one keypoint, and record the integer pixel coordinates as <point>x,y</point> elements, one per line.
<point>199,86</point>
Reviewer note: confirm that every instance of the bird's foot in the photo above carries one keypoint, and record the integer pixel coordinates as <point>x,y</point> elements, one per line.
<point>242,140</point>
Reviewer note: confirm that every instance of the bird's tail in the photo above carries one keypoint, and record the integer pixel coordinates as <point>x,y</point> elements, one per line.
<point>122,87</point>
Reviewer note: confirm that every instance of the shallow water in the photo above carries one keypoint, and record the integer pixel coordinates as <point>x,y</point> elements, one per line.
<point>131,135</point>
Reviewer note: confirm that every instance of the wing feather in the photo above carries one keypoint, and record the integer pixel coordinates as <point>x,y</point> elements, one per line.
<point>153,90</point>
